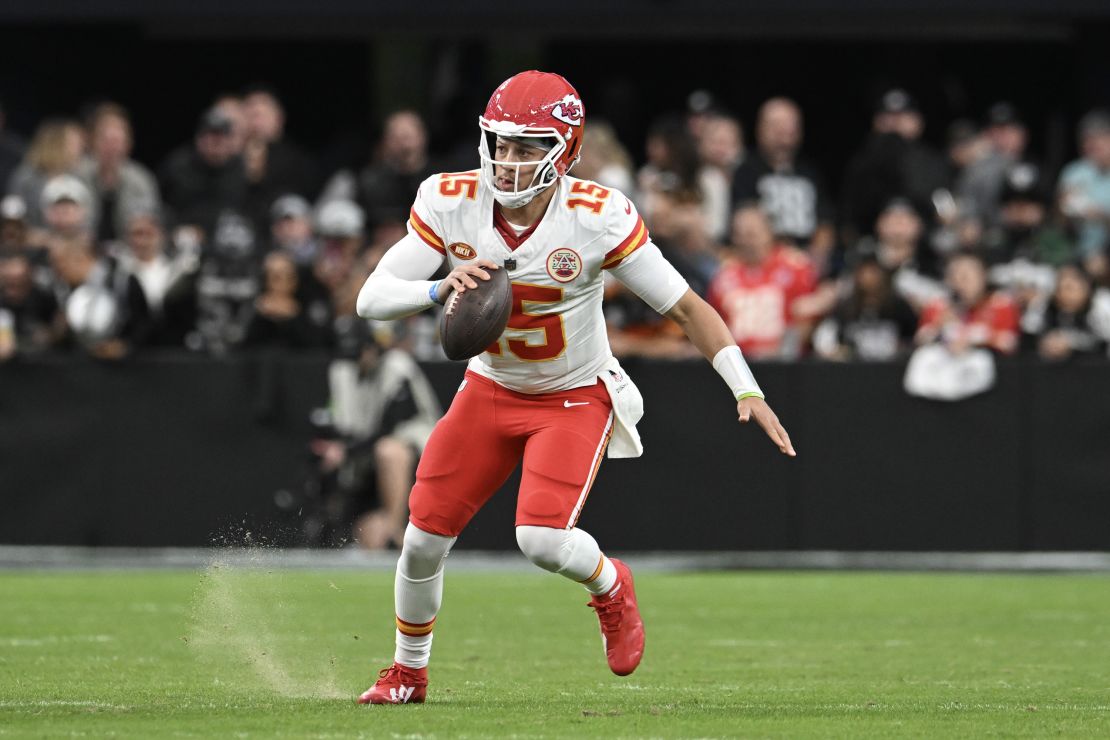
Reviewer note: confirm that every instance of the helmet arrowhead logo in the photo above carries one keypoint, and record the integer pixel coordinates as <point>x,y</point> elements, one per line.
<point>568,110</point>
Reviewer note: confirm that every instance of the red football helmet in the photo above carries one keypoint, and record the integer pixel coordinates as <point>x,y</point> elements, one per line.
<point>544,110</point>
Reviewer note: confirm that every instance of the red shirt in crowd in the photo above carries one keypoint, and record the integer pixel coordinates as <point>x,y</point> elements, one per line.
<point>993,322</point>
<point>756,301</point>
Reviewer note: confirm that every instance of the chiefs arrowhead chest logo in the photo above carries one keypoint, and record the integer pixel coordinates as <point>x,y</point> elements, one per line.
<point>568,110</point>
<point>564,265</point>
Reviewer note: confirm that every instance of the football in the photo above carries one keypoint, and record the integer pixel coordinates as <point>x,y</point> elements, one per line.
<point>475,318</point>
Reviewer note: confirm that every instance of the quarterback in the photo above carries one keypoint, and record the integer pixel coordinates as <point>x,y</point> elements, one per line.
<point>548,392</point>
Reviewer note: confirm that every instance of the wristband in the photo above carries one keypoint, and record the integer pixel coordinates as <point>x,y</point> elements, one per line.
<point>433,289</point>
<point>730,365</point>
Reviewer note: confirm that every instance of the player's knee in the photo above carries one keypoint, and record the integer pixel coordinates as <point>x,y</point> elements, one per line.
<point>544,546</point>
<point>422,553</point>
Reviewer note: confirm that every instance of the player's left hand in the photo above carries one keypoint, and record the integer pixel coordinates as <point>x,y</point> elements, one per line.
<point>756,408</point>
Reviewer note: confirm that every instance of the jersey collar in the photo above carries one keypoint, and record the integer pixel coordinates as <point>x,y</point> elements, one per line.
<point>502,226</point>
<point>508,233</point>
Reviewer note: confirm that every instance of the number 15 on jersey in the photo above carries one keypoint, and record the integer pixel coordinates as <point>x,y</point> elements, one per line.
<point>547,327</point>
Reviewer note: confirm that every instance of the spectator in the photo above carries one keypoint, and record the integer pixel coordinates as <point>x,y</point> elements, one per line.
<point>1024,230</point>
<point>13,224</point>
<point>1084,191</point>
<point>672,163</point>
<point>12,149</point>
<point>418,334</point>
<point>973,315</point>
<point>103,305</point>
<point>789,187</point>
<point>118,184</point>
<point>677,228</point>
<point>872,323</point>
<point>291,229</point>
<point>272,163</point>
<point>55,149</point>
<point>292,235</point>
<point>17,238</point>
<point>231,107</point>
<point>1073,322</point>
<point>227,284</point>
<point>66,207</point>
<point>383,411</point>
<point>721,148</point>
<point>382,237</point>
<point>201,180</point>
<point>981,184</point>
<point>339,225</point>
<point>385,187</point>
<point>896,247</point>
<point>700,108</point>
<point>604,159</point>
<point>168,283</point>
<point>966,146</point>
<point>893,162</point>
<point>759,284</point>
<point>1024,247</point>
<point>279,319</point>
<point>29,310</point>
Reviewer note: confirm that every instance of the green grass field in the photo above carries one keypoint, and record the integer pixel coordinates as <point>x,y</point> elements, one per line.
<point>228,653</point>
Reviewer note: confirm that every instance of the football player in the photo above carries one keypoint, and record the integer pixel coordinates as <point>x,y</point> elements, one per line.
<point>548,392</point>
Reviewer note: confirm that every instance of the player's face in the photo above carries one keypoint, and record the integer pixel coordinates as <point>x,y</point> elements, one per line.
<point>511,178</point>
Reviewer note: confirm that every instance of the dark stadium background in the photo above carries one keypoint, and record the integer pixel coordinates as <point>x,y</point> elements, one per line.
<point>341,66</point>
<point>1022,468</point>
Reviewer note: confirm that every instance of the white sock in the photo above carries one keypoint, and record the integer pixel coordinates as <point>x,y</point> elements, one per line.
<point>414,652</point>
<point>418,594</point>
<point>605,579</point>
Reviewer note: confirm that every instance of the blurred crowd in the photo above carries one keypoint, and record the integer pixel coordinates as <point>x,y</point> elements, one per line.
<point>236,240</point>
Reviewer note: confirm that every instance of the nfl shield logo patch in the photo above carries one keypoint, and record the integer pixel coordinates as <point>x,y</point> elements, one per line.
<point>564,265</point>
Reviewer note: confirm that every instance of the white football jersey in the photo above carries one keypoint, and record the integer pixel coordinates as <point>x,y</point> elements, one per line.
<point>555,338</point>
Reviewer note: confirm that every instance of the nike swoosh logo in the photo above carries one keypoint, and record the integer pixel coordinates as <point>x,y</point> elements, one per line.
<point>568,404</point>
<point>627,206</point>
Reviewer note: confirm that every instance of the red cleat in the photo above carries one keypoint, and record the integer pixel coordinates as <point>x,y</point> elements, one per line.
<point>398,684</point>
<point>622,629</point>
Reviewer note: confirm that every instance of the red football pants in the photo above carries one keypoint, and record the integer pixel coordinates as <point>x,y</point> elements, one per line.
<point>488,429</point>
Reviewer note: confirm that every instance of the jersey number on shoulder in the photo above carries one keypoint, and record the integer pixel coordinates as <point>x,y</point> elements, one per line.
<point>454,184</point>
<point>594,196</point>
<point>527,296</point>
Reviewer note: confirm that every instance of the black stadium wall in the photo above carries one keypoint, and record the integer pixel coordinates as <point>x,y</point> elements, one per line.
<point>191,452</point>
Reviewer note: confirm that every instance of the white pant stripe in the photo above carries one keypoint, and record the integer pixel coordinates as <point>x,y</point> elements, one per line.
<point>590,476</point>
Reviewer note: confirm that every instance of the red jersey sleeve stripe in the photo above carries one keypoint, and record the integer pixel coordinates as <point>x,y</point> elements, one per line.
<point>635,240</point>
<point>425,232</point>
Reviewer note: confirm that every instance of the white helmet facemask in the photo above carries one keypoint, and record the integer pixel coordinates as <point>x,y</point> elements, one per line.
<point>545,173</point>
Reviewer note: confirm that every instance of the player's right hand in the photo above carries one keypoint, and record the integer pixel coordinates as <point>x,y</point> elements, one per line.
<point>756,408</point>
<point>463,277</point>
